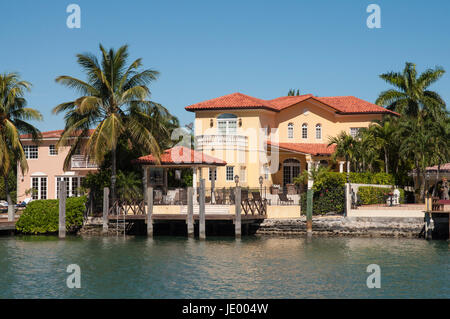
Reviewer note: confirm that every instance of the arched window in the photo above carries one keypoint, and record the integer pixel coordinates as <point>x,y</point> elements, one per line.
<point>226,124</point>
<point>290,130</point>
<point>304,130</point>
<point>318,131</point>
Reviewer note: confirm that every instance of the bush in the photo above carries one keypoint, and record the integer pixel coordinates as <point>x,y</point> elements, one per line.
<point>42,216</point>
<point>371,178</point>
<point>375,195</point>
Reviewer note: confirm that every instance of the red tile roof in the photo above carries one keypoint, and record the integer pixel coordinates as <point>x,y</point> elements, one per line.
<point>307,148</point>
<point>444,167</point>
<point>181,155</point>
<point>341,104</point>
<point>51,134</point>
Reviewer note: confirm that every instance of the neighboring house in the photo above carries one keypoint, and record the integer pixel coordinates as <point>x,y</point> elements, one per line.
<point>236,127</point>
<point>45,168</point>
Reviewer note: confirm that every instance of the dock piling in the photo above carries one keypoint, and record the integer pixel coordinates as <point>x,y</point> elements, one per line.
<point>62,209</point>
<point>309,210</point>
<point>190,217</point>
<point>237,222</point>
<point>149,211</point>
<point>105,209</point>
<point>202,231</point>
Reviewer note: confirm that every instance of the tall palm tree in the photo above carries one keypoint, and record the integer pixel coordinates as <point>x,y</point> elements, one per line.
<point>13,121</point>
<point>114,102</point>
<point>384,133</point>
<point>345,148</point>
<point>411,96</point>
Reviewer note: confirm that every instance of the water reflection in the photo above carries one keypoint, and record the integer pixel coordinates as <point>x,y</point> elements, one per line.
<point>221,267</point>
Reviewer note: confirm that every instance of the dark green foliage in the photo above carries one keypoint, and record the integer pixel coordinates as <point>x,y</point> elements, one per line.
<point>372,178</point>
<point>370,195</point>
<point>41,216</point>
<point>12,184</point>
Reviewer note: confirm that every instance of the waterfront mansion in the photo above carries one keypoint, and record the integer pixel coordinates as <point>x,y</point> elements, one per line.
<point>46,168</point>
<point>273,141</point>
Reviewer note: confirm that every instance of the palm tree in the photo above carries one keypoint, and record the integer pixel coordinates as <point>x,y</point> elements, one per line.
<point>292,92</point>
<point>412,97</point>
<point>384,133</point>
<point>440,146</point>
<point>13,121</point>
<point>345,148</point>
<point>114,102</point>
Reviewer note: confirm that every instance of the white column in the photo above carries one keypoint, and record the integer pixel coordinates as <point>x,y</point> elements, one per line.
<point>348,166</point>
<point>194,183</point>
<point>310,181</point>
<point>341,166</point>
<point>213,184</point>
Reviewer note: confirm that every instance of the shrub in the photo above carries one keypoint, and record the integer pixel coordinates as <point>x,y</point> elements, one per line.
<point>376,195</point>
<point>371,178</point>
<point>41,216</point>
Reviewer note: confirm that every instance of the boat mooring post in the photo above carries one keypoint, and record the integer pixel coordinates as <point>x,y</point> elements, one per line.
<point>201,229</point>
<point>237,221</point>
<point>62,210</point>
<point>149,211</point>
<point>309,210</point>
<point>105,209</point>
<point>190,211</point>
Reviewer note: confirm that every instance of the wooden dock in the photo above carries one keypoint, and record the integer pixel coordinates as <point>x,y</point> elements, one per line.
<point>178,217</point>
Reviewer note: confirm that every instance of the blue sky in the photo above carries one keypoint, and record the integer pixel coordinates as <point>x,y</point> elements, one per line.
<point>206,49</point>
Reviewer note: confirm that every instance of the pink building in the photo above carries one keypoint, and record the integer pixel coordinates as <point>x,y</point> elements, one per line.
<point>46,168</point>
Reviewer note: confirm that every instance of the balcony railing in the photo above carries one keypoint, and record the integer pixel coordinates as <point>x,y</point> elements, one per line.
<point>81,161</point>
<point>221,140</point>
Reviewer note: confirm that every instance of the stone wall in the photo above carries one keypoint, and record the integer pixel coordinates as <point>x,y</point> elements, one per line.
<point>345,226</point>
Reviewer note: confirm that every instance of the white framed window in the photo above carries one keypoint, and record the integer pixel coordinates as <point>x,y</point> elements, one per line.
<point>227,124</point>
<point>243,174</point>
<point>73,184</point>
<point>31,151</point>
<point>230,173</point>
<point>291,130</point>
<point>39,187</point>
<point>318,131</point>
<point>52,150</point>
<point>304,130</point>
<point>212,172</point>
<point>354,131</point>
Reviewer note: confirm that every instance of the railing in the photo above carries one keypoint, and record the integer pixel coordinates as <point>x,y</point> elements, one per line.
<point>203,141</point>
<point>81,161</point>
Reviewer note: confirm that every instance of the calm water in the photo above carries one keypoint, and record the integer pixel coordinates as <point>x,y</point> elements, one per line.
<point>262,267</point>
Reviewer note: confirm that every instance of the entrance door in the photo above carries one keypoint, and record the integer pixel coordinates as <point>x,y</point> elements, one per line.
<point>291,169</point>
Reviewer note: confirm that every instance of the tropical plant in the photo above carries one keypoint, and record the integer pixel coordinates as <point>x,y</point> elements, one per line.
<point>345,147</point>
<point>411,96</point>
<point>114,101</point>
<point>13,121</point>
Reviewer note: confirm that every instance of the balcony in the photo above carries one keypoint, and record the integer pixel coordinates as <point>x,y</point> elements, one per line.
<point>221,141</point>
<point>81,161</point>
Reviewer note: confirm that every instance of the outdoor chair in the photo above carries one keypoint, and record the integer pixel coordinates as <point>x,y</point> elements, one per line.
<point>283,199</point>
<point>259,203</point>
<point>157,197</point>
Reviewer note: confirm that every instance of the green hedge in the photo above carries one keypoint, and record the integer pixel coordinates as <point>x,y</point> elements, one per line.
<point>41,216</point>
<point>370,195</point>
<point>371,178</point>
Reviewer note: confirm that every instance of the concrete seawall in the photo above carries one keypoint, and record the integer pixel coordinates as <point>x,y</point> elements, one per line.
<point>349,226</point>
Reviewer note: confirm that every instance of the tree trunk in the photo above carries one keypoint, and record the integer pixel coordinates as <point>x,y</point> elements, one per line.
<point>417,182</point>
<point>386,161</point>
<point>437,180</point>
<point>9,199</point>
<point>113,176</point>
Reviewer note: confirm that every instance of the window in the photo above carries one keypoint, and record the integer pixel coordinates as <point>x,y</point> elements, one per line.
<point>243,175</point>
<point>72,186</point>
<point>39,187</point>
<point>354,131</point>
<point>212,171</point>
<point>290,130</point>
<point>227,124</point>
<point>230,173</point>
<point>31,151</point>
<point>52,150</point>
<point>305,130</point>
<point>318,131</point>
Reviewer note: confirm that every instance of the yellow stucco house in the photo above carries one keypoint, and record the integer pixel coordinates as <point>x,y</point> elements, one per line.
<point>273,141</point>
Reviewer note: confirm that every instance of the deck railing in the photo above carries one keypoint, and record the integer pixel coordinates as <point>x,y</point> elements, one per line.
<point>82,161</point>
